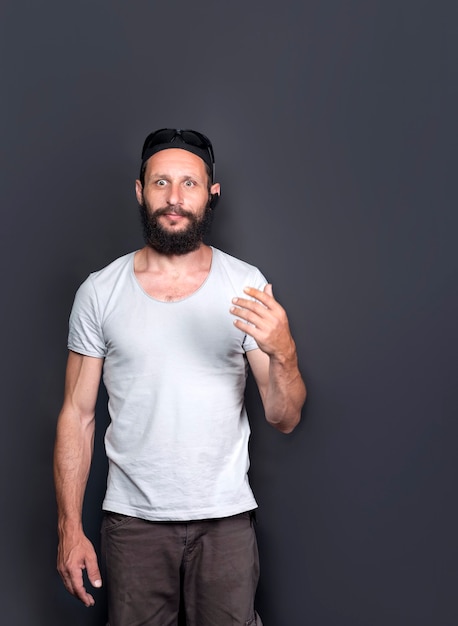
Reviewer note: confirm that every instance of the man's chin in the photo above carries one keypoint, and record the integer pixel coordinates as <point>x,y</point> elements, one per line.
<point>175,227</point>
<point>179,237</point>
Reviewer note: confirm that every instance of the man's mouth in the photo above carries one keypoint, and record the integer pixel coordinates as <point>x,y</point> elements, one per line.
<point>173,212</point>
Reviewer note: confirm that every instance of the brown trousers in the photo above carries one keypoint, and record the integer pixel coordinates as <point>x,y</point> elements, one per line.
<point>198,573</point>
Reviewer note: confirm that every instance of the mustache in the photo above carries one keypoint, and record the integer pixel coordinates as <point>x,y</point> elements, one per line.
<point>175,209</point>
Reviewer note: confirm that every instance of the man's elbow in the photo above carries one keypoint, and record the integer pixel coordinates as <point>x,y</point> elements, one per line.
<point>287,424</point>
<point>288,416</point>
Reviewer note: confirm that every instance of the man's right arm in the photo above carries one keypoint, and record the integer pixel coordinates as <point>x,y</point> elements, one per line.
<point>72,462</point>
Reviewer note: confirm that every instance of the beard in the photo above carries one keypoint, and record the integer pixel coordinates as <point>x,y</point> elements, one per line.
<point>171,242</point>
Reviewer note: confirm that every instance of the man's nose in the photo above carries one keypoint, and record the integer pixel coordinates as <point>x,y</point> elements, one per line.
<point>175,194</point>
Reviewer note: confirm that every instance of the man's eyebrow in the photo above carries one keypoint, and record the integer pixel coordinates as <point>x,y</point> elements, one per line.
<point>167,176</point>
<point>157,175</point>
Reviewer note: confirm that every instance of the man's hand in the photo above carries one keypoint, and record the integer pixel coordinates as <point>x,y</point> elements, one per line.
<point>74,556</point>
<point>265,320</point>
<point>274,365</point>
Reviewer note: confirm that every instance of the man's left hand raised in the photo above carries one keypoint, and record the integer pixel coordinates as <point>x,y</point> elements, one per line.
<point>264,319</point>
<point>274,364</point>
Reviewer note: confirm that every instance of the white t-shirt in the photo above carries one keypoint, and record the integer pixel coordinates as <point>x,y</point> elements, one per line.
<point>175,374</point>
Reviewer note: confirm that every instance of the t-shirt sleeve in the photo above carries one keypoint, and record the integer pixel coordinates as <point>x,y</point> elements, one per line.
<point>258,281</point>
<point>85,334</point>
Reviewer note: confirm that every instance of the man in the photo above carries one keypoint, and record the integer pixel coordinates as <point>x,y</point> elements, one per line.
<point>173,327</point>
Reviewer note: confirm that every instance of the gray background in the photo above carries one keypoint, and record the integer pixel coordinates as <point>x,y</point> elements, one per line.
<point>335,136</point>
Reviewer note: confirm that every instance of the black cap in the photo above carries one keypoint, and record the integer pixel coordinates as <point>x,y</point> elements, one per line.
<point>189,140</point>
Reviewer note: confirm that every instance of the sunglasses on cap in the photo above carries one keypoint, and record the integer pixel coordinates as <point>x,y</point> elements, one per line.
<point>197,143</point>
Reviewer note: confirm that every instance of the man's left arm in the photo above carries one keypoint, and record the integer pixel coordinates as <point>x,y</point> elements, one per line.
<point>274,363</point>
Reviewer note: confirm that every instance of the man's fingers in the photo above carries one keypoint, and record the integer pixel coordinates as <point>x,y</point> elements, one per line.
<point>72,562</point>
<point>93,573</point>
<point>266,296</point>
<point>80,590</point>
<point>256,312</point>
<point>92,568</point>
<point>245,315</point>
<point>249,305</point>
<point>253,313</point>
<point>84,596</point>
<point>73,581</point>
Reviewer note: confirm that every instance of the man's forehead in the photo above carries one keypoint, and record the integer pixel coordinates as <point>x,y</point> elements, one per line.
<point>175,159</point>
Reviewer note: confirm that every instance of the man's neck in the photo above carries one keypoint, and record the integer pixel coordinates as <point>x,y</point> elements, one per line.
<point>172,277</point>
<point>149,260</point>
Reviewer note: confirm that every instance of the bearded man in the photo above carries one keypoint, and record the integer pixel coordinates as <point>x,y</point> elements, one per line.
<point>173,328</point>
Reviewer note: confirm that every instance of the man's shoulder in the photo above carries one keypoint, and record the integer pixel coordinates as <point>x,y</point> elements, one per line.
<point>235,272</point>
<point>114,268</point>
<point>232,262</point>
<point>105,279</point>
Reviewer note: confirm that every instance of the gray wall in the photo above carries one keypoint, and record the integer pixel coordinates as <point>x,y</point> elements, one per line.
<point>334,129</point>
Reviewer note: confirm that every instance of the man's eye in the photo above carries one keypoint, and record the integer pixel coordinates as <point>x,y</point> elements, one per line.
<point>189,183</point>
<point>161,182</point>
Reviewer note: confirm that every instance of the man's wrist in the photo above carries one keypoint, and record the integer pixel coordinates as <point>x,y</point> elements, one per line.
<point>286,358</point>
<point>69,525</point>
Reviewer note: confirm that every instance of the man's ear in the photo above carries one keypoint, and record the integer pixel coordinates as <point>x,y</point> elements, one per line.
<point>215,192</point>
<point>139,192</point>
<point>215,188</point>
